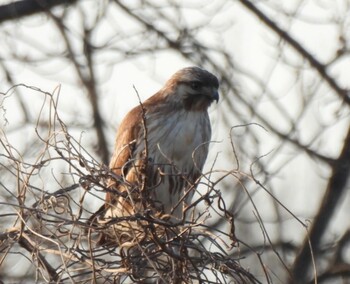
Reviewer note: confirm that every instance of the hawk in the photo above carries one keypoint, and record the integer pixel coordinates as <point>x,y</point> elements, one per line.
<point>160,149</point>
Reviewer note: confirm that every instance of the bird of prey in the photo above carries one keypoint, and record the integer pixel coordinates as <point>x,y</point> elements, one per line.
<point>160,149</point>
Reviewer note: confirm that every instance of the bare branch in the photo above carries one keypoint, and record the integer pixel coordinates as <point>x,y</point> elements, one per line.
<point>334,193</point>
<point>19,9</point>
<point>321,68</point>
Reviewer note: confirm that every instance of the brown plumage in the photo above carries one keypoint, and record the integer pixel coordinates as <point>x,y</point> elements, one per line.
<point>160,150</point>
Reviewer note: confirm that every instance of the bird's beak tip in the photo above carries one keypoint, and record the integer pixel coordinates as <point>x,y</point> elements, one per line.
<point>216,96</point>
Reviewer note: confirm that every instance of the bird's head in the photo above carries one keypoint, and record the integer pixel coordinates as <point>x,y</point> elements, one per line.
<point>195,87</point>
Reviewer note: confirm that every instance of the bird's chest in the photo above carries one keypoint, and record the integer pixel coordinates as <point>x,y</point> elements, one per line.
<point>175,139</point>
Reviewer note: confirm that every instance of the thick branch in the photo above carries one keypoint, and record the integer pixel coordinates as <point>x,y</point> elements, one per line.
<point>19,9</point>
<point>25,242</point>
<point>321,68</point>
<point>335,189</point>
<point>89,82</point>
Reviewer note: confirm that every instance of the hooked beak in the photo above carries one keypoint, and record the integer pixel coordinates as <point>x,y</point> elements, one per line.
<point>215,96</point>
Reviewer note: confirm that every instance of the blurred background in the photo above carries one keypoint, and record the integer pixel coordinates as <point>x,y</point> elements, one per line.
<point>282,121</point>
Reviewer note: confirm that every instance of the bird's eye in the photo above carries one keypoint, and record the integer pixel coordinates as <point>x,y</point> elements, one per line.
<point>195,85</point>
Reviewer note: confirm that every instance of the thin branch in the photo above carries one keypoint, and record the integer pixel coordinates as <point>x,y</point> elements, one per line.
<point>321,68</point>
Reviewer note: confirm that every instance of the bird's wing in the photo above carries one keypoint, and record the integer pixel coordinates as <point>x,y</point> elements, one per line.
<point>127,135</point>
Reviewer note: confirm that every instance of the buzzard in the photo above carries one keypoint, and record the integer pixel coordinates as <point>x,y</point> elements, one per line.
<point>161,146</point>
